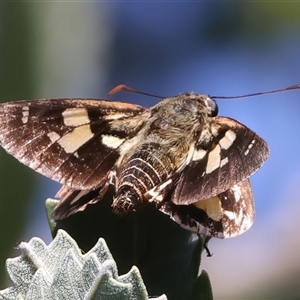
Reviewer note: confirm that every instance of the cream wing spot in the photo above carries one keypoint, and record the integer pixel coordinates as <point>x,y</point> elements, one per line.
<point>76,138</point>
<point>53,136</point>
<point>115,116</point>
<point>224,161</point>
<point>227,140</point>
<point>214,159</point>
<point>198,154</point>
<point>212,207</point>
<point>111,141</point>
<point>75,117</point>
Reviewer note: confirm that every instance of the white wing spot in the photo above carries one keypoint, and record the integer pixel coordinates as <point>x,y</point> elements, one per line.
<point>227,140</point>
<point>231,215</point>
<point>214,160</point>
<point>53,136</point>
<point>165,184</point>
<point>155,193</point>
<point>25,114</point>
<point>75,117</point>
<point>240,220</point>
<point>76,138</point>
<point>159,198</point>
<point>237,192</point>
<point>115,116</point>
<point>224,161</point>
<point>112,141</point>
<point>198,154</point>
<point>249,147</point>
<point>80,194</point>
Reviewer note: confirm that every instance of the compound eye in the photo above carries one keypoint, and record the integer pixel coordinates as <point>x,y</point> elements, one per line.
<point>212,106</point>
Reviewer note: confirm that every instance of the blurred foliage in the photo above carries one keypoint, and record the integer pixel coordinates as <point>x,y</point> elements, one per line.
<point>16,82</point>
<point>251,22</point>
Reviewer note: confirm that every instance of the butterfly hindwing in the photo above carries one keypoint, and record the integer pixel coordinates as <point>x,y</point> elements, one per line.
<point>73,201</point>
<point>226,215</point>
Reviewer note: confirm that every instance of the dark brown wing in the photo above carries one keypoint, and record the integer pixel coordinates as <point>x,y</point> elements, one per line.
<point>226,215</point>
<point>72,141</point>
<point>227,153</point>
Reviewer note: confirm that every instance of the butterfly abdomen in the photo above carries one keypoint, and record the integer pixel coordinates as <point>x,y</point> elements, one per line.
<point>142,171</point>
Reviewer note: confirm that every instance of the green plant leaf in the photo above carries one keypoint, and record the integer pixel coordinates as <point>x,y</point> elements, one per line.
<point>61,271</point>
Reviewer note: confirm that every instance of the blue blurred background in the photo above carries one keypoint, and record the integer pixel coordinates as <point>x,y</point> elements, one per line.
<point>83,49</point>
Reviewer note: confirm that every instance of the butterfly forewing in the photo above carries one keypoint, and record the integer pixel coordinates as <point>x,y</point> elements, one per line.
<point>227,153</point>
<point>67,140</point>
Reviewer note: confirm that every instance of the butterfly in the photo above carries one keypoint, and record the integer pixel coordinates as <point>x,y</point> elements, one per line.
<point>193,164</point>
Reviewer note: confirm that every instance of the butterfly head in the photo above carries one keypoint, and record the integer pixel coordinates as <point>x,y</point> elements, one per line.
<point>210,104</point>
<point>188,104</point>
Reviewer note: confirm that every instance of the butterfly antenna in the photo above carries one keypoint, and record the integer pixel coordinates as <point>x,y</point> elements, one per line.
<point>125,88</point>
<point>290,88</point>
